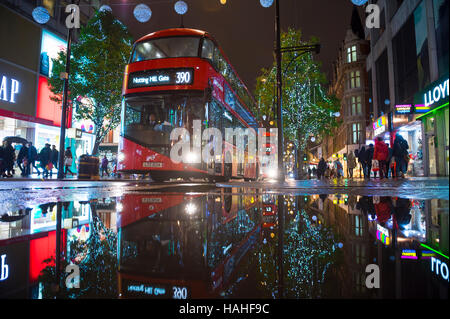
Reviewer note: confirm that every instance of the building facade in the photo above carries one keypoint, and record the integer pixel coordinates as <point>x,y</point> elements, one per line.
<point>408,72</point>
<point>26,107</point>
<point>350,84</point>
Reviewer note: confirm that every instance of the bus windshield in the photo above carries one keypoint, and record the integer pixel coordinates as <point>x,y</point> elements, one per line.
<point>149,120</point>
<point>161,48</point>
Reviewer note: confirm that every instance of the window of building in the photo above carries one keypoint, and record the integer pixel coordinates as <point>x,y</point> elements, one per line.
<point>355,105</point>
<point>351,54</point>
<point>405,66</point>
<point>356,133</point>
<point>441,14</point>
<point>422,57</point>
<point>355,79</point>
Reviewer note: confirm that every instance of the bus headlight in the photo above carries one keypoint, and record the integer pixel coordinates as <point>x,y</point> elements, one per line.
<point>192,158</point>
<point>190,208</point>
<point>272,173</point>
<point>121,157</point>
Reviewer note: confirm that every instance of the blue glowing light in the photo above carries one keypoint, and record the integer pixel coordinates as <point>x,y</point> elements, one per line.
<point>142,13</point>
<point>359,2</point>
<point>266,3</point>
<point>181,7</point>
<point>105,7</point>
<point>40,15</point>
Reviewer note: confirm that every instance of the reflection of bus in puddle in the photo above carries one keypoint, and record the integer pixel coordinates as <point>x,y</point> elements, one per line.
<point>183,246</point>
<point>269,211</point>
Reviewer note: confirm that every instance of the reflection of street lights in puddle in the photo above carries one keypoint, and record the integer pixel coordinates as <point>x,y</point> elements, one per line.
<point>266,3</point>
<point>190,208</point>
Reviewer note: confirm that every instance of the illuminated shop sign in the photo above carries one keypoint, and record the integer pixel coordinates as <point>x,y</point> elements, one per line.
<point>383,234</point>
<point>4,268</point>
<point>403,109</point>
<point>421,108</point>
<point>51,45</point>
<point>427,254</point>
<point>440,268</point>
<point>379,126</point>
<point>437,93</point>
<point>161,77</point>
<point>9,88</point>
<point>409,254</point>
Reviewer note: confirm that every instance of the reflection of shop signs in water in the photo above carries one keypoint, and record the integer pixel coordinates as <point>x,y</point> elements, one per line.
<point>383,235</point>
<point>439,268</point>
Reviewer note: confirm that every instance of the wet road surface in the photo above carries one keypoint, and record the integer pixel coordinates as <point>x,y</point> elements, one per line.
<point>303,239</point>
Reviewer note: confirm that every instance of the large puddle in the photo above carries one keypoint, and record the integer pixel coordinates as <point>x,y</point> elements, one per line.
<point>227,243</point>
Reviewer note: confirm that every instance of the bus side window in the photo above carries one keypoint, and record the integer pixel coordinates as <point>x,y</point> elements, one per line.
<point>208,49</point>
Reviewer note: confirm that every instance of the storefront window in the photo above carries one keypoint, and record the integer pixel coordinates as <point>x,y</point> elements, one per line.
<point>412,133</point>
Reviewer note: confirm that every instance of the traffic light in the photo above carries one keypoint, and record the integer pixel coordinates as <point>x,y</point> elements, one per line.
<point>345,157</point>
<point>305,158</point>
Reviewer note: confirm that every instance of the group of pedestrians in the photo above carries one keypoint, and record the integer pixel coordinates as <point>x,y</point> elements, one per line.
<point>28,158</point>
<point>380,159</point>
<point>334,170</point>
<point>383,160</point>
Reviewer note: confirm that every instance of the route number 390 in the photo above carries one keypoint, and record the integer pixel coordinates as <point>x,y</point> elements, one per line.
<point>183,77</point>
<point>179,293</point>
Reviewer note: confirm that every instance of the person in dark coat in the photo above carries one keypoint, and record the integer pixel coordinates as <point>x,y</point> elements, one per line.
<point>54,157</point>
<point>45,158</point>
<point>33,157</point>
<point>22,160</point>
<point>369,158</point>
<point>2,162</point>
<point>362,160</point>
<point>321,168</point>
<point>400,152</point>
<point>8,159</point>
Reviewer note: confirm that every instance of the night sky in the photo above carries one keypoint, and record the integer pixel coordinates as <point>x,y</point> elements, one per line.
<point>245,29</point>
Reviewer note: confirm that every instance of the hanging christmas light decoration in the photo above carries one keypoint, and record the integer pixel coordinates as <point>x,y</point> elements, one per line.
<point>40,15</point>
<point>181,7</point>
<point>359,2</point>
<point>266,3</point>
<point>142,13</point>
<point>105,7</point>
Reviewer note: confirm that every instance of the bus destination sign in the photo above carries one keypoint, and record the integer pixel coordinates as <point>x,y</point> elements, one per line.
<point>161,77</point>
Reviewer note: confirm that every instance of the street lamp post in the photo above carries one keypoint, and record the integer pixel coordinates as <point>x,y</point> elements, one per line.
<point>62,138</point>
<point>279,92</point>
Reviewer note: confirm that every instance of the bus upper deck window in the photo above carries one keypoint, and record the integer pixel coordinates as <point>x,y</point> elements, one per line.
<point>208,49</point>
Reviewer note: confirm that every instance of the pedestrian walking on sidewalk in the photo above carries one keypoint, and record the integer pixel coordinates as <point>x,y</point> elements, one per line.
<point>381,154</point>
<point>54,158</point>
<point>8,157</point>
<point>351,164</point>
<point>104,166</point>
<point>362,160</point>
<point>45,160</point>
<point>369,158</point>
<point>33,157</point>
<point>22,160</point>
<point>401,155</point>
<point>321,168</point>
<point>68,159</point>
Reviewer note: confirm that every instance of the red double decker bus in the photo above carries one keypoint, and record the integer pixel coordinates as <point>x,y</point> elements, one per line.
<point>175,77</point>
